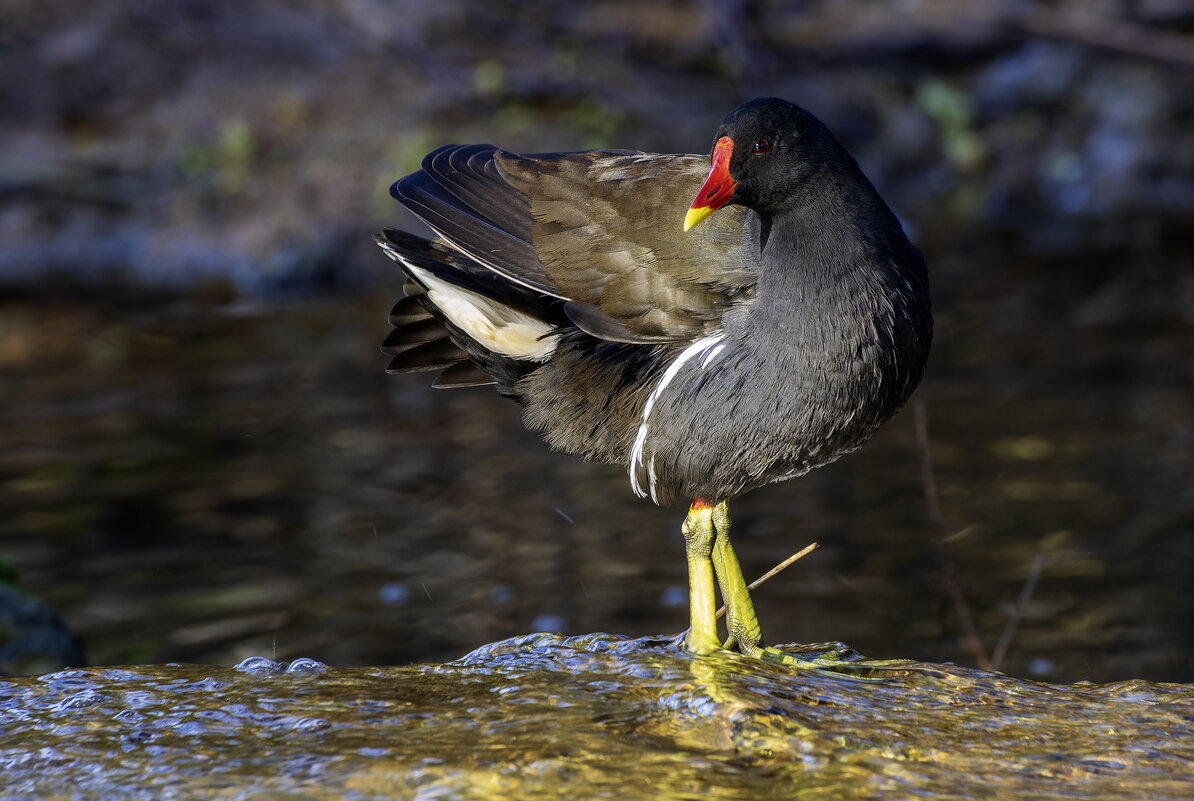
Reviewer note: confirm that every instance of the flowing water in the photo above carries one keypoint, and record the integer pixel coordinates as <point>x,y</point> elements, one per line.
<point>596,717</point>
<point>187,480</point>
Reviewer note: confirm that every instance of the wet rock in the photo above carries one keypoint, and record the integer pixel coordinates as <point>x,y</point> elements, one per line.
<point>33,639</point>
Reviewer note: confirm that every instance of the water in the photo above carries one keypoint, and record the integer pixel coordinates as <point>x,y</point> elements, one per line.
<point>598,716</point>
<point>187,480</point>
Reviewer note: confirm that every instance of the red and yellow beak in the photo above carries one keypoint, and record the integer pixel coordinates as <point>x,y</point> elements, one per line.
<point>718,187</point>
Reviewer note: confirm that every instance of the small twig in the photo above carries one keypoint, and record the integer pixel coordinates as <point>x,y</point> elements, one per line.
<point>1005,640</point>
<point>805,551</point>
<point>949,578</point>
<point>962,610</point>
<point>932,501</point>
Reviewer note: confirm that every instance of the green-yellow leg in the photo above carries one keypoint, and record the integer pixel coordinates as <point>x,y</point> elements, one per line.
<point>741,620</point>
<point>743,624</point>
<point>707,546</point>
<point>698,545</point>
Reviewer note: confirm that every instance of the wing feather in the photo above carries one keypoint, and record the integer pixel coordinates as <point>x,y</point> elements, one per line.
<point>599,229</point>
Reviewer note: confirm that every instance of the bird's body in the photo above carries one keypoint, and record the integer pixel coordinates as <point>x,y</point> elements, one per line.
<point>767,341</point>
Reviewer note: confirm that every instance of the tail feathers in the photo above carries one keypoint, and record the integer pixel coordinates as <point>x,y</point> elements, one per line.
<point>422,357</point>
<point>449,321</point>
<point>493,314</point>
<point>442,260</point>
<point>463,374</point>
<point>421,342</point>
<point>408,309</point>
<point>411,335</point>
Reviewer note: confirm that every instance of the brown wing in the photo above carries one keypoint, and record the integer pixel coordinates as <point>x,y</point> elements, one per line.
<point>601,230</point>
<point>608,230</point>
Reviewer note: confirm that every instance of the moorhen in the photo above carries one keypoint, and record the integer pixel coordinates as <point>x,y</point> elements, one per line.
<point>706,359</point>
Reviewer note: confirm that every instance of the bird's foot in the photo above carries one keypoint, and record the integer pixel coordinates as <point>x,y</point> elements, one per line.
<point>768,653</point>
<point>700,643</point>
<point>833,657</point>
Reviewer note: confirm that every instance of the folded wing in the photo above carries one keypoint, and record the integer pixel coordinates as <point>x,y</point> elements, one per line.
<point>600,231</point>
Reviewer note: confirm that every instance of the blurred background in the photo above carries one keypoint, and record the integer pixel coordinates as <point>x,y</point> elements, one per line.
<point>202,459</point>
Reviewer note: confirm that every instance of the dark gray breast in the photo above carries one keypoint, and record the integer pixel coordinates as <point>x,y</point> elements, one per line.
<point>705,363</point>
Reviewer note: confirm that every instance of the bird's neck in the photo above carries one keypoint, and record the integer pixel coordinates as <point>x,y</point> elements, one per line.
<point>836,276</point>
<point>819,250</point>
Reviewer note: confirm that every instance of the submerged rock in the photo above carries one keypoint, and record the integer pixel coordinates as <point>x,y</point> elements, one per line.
<point>33,638</point>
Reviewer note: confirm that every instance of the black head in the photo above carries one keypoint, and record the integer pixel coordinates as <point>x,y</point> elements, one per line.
<point>777,146</point>
<point>765,155</point>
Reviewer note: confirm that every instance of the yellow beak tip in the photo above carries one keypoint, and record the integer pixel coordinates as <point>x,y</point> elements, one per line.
<point>695,216</point>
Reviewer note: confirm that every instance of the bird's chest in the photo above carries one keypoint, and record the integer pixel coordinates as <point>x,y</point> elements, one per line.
<point>787,389</point>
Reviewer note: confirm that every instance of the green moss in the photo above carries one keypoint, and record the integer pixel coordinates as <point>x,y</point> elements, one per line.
<point>226,160</point>
<point>953,112</point>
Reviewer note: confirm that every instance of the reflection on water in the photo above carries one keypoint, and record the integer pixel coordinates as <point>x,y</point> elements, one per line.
<point>593,717</point>
<point>189,481</point>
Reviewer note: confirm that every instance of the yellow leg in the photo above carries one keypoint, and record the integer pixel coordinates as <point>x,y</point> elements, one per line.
<point>707,545</point>
<point>741,620</point>
<point>698,545</point>
<point>743,624</point>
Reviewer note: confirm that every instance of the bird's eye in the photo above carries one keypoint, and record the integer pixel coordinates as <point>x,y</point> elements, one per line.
<point>762,146</point>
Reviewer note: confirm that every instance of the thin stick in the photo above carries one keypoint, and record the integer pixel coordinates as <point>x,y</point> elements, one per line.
<point>949,578</point>
<point>969,630</point>
<point>932,500</point>
<point>803,552</point>
<point>1005,640</point>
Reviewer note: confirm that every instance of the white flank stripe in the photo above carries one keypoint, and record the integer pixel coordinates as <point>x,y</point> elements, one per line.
<point>711,355</point>
<point>636,453</point>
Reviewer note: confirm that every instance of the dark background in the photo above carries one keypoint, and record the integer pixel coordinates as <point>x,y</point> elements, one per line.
<point>201,458</point>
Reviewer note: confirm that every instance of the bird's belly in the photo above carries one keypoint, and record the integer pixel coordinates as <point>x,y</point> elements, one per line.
<point>740,419</point>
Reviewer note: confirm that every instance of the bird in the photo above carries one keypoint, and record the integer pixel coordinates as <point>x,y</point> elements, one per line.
<point>709,323</point>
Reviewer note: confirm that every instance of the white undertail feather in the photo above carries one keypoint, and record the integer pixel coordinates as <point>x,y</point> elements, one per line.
<point>494,325</point>
<point>713,345</point>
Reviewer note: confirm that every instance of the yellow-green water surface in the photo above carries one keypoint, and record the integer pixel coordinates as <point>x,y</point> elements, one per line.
<point>598,716</point>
